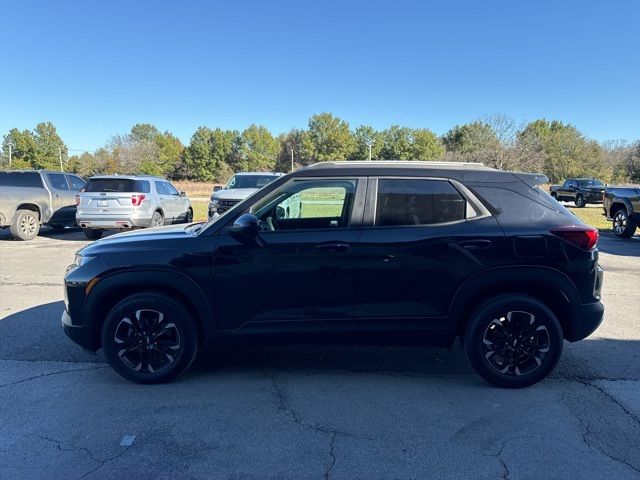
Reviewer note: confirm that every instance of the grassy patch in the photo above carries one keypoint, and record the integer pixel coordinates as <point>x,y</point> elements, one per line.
<point>200,210</point>
<point>592,216</point>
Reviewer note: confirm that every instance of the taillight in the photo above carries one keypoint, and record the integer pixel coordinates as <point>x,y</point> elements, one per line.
<point>136,199</point>
<point>580,236</point>
<point>77,199</point>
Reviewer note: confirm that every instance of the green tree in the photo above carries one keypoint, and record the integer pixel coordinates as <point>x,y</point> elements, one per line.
<point>471,138</point>
<point>328,138</point>
<point>84,165</point>
<point>23,148</point>
<point>144,132</point>
<point>198,160</point>
<point>567,153</point>
<point>290,142</point>
<point>364,136</point>
<point>258,149</point>
<point>49,147</point>
<point>426,145</point>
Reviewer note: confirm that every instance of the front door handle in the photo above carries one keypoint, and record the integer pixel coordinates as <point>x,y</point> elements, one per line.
<point>475,244</point>
<point>333,247</point>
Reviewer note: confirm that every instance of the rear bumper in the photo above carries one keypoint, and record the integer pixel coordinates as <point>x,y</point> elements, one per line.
<point>80,334</point>
<point>113,222</point>
<point>585,319</point>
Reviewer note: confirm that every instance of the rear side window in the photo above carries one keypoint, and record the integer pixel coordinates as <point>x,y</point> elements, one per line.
<point>76,182</point>
<point>403,202</point>
<point>124,185</point>
<point>58,181</point>
<point>18,179</point>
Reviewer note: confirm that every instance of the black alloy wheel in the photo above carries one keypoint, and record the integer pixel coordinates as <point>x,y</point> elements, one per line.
<point>149,338</point>
<point>513,340</point>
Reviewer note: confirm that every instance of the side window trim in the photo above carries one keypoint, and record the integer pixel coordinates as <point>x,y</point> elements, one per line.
<point>478,209</point>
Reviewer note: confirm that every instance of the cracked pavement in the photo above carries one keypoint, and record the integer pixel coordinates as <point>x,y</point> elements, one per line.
<point>309,412</point>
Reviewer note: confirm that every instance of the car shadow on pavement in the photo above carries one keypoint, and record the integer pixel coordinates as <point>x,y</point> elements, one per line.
<point>626,247</point>
<point>36,334</point>
<point>69,234</point>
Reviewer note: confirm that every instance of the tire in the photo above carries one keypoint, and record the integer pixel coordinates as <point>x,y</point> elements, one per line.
<point>25,226</point>
<point>189,217</point>
<point>623,226</point>
<point>156,334</point>
<point>554,195</point>
<point>92,233</point>
<point>157,220</point>
<point>508,315</point>
<point>580,203</point>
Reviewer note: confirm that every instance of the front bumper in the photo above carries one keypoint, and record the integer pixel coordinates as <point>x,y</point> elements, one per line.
<point>80,334</point>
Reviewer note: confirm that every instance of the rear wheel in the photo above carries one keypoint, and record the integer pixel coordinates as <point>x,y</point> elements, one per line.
<point>580,203</point>
<point>26,225</point>
<point>93,233</point>
<point>157,220</point>
<point>149,338</point>
<point>623,226</point>
<point>513,341</point>
<point>189,217</point>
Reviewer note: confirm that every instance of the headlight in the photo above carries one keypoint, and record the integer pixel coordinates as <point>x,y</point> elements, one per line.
<point>82,259</point>
<point>214,202</point>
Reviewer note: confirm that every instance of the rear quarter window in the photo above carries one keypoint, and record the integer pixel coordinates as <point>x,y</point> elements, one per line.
<point>20,179</point>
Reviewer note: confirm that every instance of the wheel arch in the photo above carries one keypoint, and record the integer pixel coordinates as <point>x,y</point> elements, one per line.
<point>550,286</point>
<point>29,206</point>
<point>108,291</point>
<point>617,204</point>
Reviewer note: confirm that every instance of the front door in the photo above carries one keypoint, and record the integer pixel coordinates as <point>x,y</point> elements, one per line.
<point>420,241</point>
<point>296,278</point>
<point>63,199</point>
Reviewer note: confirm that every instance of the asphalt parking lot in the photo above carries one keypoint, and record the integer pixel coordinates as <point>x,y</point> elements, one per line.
<point>309,412</point>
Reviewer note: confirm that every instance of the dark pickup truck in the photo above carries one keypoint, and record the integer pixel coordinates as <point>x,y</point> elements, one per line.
<point>622,207</point>
<point>579,190</point>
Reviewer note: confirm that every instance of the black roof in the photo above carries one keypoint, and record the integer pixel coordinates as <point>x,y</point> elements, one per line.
<point>463,171</point>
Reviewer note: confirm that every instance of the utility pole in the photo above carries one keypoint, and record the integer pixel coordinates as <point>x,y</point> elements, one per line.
<point>292,159</point>
<point>60,155</point>
<point>370,144</point>
<point>10,145</point>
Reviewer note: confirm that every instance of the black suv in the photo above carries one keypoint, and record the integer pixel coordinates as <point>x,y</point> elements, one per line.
<point>403,253</point>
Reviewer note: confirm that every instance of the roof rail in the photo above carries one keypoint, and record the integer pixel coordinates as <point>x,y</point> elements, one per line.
<point>373,163</point>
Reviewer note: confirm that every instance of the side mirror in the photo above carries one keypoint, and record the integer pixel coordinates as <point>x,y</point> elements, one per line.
<point>217,188</point>
<point>183,194</point>
<point>246,226</point>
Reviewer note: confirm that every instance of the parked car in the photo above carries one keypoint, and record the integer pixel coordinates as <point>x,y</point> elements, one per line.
<point>581,191</point>
<point>115,202</point>
<point>31,198</point>
<point>409,253</point>
<point>622,206</point>
<point>239,187</point>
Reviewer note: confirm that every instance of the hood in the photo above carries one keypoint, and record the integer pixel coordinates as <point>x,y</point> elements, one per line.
<point>147,239</point>
<point>234,193</point>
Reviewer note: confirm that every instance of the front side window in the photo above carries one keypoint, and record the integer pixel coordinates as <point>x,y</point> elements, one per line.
<point>161,189</point>
<point>308,204</point>
<point>590,183</point>
<point>58,181</point>
<point>171,190</point>
<point>413,202</point>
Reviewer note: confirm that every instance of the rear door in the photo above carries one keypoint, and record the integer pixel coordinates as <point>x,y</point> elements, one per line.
<point>421,239</point>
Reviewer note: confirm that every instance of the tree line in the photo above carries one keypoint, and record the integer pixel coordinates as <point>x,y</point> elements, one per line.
<point>555,148</point>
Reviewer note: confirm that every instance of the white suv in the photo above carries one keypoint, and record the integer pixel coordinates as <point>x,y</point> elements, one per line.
<point>114,202</point>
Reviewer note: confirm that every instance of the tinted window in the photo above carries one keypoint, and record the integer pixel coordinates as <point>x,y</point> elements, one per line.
<point>590,183</point>
<point>417,202</point>
<point>160,188</point>
<point>58,181</point>
<point>125,185</point>
<point>16,179</point>
<point>76,182</point>
<point>170,189</point>
<point>250,181</point>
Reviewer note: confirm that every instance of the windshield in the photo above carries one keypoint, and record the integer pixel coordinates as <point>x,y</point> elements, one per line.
<point>590,183</point>
<point>250,181</point>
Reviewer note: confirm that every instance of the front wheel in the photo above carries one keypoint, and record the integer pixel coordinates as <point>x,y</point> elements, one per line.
<point>149,338</point>
<point>157,220</point>
<point>623,226</point>
<point>513,341</point>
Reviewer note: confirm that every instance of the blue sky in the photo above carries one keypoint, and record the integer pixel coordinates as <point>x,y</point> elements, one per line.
<point>96,68</point>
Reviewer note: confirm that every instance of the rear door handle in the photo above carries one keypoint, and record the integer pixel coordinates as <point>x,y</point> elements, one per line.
<point>475,244</point>
<point>333,247</point>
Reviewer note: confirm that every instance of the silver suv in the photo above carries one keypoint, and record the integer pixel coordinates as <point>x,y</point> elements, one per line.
<point>239,187</point>
<point>115,202</point>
